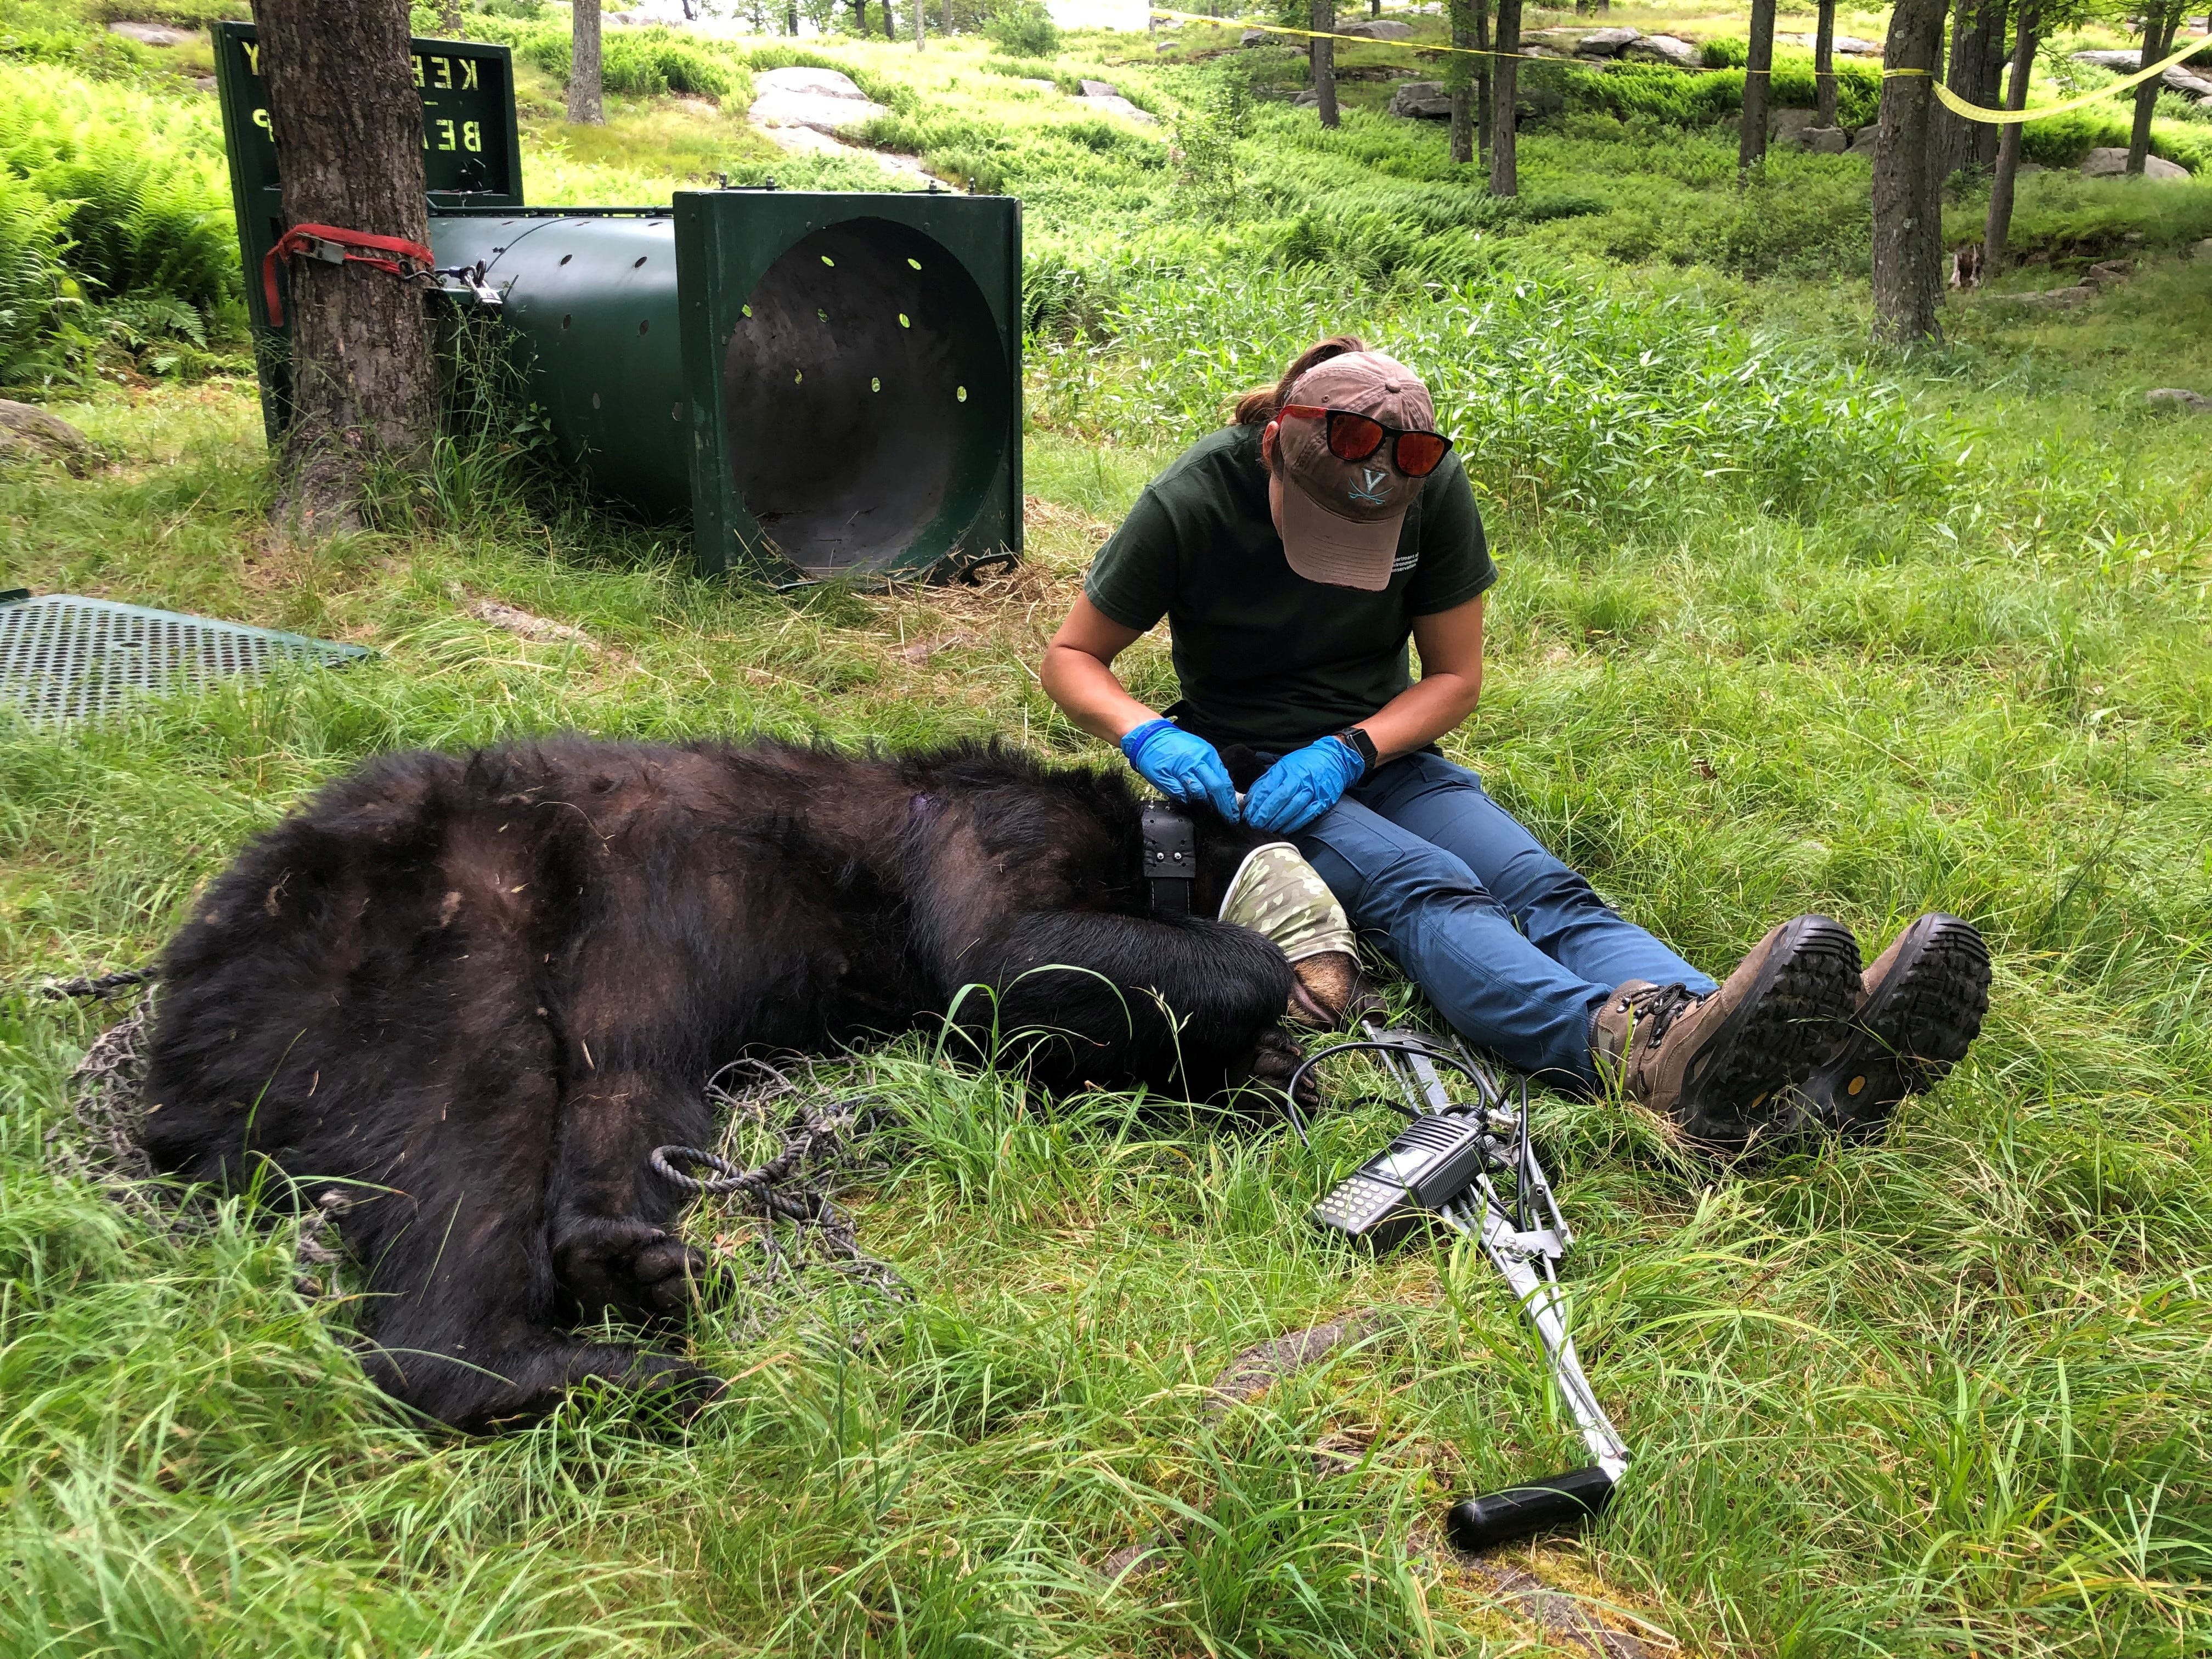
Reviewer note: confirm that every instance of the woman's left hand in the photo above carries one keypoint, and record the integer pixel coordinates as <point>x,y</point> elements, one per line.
<point>1302,785</point>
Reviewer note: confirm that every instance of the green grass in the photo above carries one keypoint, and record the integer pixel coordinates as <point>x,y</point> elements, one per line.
<point>1783,625</point>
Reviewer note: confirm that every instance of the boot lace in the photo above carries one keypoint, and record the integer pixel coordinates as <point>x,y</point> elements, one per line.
<point>1656,1007</point>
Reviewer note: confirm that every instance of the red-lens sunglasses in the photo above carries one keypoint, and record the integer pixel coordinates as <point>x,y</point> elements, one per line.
<point>1353,437</point>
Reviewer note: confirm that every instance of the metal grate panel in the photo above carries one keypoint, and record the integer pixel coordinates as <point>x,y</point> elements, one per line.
<point>65,658</point>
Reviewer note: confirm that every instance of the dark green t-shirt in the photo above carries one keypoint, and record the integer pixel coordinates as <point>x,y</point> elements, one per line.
<point>1264,656</point>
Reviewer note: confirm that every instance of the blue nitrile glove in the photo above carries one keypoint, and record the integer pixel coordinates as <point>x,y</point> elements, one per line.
<point>1181,766</point>
<point>1302,785</point>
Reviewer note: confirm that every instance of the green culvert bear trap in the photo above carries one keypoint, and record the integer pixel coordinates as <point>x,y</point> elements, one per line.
<point>829,381</point>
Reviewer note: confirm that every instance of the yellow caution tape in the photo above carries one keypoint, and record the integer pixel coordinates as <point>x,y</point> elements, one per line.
<point>1951,100</point>
<point>1959,106</point>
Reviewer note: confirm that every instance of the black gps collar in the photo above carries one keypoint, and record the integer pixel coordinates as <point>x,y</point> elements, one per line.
<point>1170,860</point>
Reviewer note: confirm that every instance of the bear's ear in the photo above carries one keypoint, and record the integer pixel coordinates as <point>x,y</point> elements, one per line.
<point>1244,767</point>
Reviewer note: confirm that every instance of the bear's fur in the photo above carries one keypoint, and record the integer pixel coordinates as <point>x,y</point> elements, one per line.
<point>485,987</point>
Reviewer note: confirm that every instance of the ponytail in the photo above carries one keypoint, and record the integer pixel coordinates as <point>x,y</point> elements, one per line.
<point>1260,405</point>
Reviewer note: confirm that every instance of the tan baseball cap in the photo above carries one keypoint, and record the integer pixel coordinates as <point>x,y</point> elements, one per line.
<point>1341,518</point>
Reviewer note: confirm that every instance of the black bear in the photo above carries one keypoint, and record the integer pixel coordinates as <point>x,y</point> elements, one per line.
<point>486,987</point>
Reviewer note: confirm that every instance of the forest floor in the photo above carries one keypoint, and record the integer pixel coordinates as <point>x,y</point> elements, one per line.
<point>1783,624</point>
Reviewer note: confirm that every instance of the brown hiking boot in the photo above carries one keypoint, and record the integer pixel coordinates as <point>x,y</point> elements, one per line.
<point>1713,1064</point>
<point>1920,1005</point>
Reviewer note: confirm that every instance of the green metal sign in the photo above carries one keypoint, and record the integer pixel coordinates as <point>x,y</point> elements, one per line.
<point>472,154</point>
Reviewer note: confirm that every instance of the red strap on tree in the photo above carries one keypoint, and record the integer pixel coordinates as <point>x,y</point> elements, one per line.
<point>301,238</point>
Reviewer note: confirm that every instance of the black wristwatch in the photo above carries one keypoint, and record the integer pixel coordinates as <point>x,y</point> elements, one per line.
<point>1360,744</point>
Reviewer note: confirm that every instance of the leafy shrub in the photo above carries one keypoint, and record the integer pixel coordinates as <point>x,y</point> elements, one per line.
<point>1659,92</point>
<point>2062,141</point>
<point>30,274</point>
<point>1565,399</point>
<point>1727,52</point>
<point>639,63</point>
<point>144,203</point>
<point>1024,29</point>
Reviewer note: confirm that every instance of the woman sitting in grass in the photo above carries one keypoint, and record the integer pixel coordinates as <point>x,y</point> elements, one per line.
<point>1294,555</point>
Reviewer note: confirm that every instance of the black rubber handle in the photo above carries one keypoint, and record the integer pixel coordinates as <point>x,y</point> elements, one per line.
<point>1546,1505</point>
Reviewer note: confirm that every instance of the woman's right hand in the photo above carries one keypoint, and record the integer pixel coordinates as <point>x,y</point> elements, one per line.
<point>1181,766</point>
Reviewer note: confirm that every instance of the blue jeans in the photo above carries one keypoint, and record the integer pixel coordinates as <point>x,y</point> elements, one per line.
<point>1514,949</point>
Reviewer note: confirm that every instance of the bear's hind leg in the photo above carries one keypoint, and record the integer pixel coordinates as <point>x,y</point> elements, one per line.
<point>606,1211</point>
<point>525,1378</point>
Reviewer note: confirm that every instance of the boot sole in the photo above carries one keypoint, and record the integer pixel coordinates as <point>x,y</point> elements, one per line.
<point>1914,1028</point>
<point>1798,1010</point>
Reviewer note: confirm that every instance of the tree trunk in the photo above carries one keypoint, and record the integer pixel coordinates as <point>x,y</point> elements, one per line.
<point>1459,76</point>
<point>2159,24</point>
<point>1969,77</point>
<point>449,19</point>
<point>1323,56</point>
<point>1504,84</point>
<point>348,125</point>
<point>1908,230</point>
<point>860,18</point>
<point>1483,82</point>
<point>1989,90</point>
<point>1998,225</point>
<point>920,24</point>
<point>1824,66</point>
<point>945,23</point>
<point>1947,134</point>
<point>1757,84</point>
<point>586,104</point>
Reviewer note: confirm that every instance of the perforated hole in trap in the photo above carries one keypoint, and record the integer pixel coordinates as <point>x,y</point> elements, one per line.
<point>64,657</point>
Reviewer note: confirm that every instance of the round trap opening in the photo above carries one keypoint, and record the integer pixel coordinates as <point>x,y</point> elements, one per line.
<point>864,393</point>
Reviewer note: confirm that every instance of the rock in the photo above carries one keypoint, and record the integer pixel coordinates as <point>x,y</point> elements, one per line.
<point>1381,28</point>
<point>1607,43</point>
<point>2110,162</point>
<point>29,432</point>
<point>1035,85</point>
<point>1253,38</point>
<point>1788,126</point>
<point>1664,49</point>
<point>1098,89</point>
<point>2188,84</point>
<point>813,83</point>
<point>1422,100</point>
<point>2109,273</point>
<point>1306,100</point>
<point>817,97</point>
<point>1850,46</point>
<point>1863,145</point>
<point>2180,397</point>
<point>152,35</point>
<point>1825,141</point>
<point>1113,103</point>
<point>2201,250</point>
<point>2120,62</point>
<point>1528,51</point>
<point>2055,299</point>
<point>808,140</point>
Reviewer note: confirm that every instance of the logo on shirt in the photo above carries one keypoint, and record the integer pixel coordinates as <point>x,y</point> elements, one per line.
<point>1370,489</point>
<point>1404,562</point>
